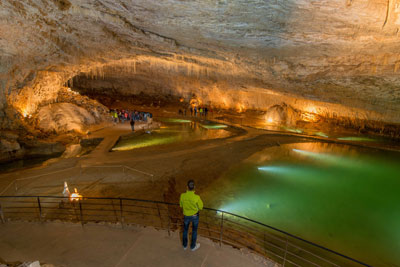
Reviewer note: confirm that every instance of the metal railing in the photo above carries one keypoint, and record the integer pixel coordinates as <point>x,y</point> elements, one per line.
<point>217,225</point>
<point>17,183</point>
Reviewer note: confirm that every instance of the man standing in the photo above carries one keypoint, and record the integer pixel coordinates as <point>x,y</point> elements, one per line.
<point>191,205</point>
<point>133,125</point>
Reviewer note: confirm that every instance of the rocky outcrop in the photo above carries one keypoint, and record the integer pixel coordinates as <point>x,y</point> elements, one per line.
<point>332,58</point>
<point>64,117</point>
<point>13,147</point>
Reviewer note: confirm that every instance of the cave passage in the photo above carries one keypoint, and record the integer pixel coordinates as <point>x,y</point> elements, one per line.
<point>286,112</point>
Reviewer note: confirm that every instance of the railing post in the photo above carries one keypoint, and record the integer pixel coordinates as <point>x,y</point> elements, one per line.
<point>159,215</point>
<point>222,229</point>
<point>80,210</point>
<point>40,208</point>
<point>2,215</point>
<point>169,219</point>
<point>264,245</point>
<point>121,212</point>
<point>284,256</point>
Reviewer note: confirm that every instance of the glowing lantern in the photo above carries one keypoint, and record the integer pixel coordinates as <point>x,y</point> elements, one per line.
<point>75,196</point>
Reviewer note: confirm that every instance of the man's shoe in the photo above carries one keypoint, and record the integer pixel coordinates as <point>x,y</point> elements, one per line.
<point>196,247</point>
<point>184,248</point>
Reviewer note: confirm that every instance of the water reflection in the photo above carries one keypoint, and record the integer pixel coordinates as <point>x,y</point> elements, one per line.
<point>172,131</point>
<point>342,197</point>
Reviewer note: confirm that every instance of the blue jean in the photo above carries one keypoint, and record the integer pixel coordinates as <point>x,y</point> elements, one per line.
<point>195,224</point>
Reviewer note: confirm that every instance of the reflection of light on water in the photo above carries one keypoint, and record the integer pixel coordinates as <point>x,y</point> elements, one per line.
<point>174,120</point>
<point>321,134</point>
<point>236,207</point>
<point>340,179</point>
<point>332,159</point>
<point>320,156</point>
<point>214,126</point>
<point>173,133</point>
<point>355,138</point>
<point>145,143</point>
<point>275,169</point>
<point>299,172</point>
<point>292,130</point>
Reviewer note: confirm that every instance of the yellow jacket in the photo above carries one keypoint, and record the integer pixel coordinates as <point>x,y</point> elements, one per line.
<point>191,203</point>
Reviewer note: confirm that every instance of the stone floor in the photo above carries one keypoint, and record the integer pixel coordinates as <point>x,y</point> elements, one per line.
<point>67,244</point>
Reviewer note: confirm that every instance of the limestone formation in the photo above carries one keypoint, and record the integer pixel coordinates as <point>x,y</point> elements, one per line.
<point>336,59</point>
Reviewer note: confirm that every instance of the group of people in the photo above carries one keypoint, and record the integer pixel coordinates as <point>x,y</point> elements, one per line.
<point>131,116</point>
<point>128,115</point>
<point>195,111</point>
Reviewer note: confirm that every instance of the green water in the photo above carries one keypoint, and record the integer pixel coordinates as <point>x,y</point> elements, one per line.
<point>173,131</point>
<point>344,198</point>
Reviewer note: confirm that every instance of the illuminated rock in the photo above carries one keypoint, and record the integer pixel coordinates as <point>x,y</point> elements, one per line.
<point>335,55</point>
<point>64,117</point>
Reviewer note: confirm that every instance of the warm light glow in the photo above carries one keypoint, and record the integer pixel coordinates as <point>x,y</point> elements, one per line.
<point>270,120</point>
<point>240,108</point>
<point>309,117</point>
<point>225,101</point>
<point>75,196</point>
<point>311,109</point>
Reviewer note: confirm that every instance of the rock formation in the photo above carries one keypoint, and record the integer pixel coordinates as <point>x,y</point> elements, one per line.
<point>335,59</point>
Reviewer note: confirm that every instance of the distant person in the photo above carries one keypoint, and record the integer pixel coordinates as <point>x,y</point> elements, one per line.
<point>191,205</point>
<point>195,111</point>
<point>191,111</point>
<point>133,125</point>
<point>205,111</point>
<point>115,117</point>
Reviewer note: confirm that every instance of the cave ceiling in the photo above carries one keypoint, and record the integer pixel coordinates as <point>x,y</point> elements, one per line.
<point>335,51</point>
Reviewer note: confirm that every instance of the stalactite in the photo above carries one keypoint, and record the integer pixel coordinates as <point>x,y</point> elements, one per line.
<point>387,13</point>
<point>349,2</point>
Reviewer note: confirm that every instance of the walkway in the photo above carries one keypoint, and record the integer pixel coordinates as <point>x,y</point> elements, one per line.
<point>67,244</point>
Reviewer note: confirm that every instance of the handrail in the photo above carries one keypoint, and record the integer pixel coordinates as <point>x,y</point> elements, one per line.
<point>67,169</point>
<point>287,234</point>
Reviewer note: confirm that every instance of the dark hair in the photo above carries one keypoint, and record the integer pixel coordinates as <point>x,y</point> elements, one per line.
<point>190,184</point>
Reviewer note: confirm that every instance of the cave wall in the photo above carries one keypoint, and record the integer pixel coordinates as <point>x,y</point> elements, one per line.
<point>337,56</point>
<point>223,87</point>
